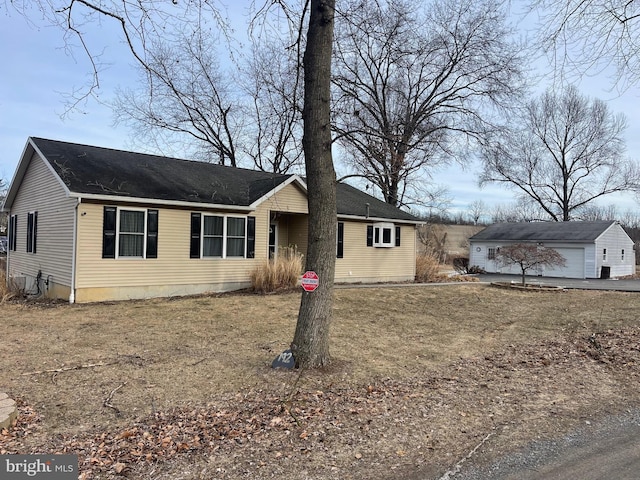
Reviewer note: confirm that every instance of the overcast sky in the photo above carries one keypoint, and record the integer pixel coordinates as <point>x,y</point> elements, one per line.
<point>37,73</point>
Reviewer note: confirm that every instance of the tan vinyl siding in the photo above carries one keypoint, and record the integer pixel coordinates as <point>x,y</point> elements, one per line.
<point>172,267</point>
<point>290,199</point>
<point>173,272</point>
<point>372,264</point>
<point>41,191</point>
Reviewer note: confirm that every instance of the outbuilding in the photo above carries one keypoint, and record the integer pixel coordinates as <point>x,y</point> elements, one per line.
<point>590,249</point>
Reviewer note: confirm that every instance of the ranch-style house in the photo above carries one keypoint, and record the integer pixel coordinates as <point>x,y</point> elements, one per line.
<point>93,224</point>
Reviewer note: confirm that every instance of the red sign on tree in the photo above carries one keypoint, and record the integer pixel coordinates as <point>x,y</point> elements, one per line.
<point>310,281</point>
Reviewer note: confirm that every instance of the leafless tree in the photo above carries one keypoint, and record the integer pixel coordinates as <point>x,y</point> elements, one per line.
<point>415,82</point>
<point>310,344</point>
<point>591,36</point>
<point>528,256</point>
<point>185,101</point>
<point>272,80</point>
<point>596,213</point>
<point>567,151</point>
<point>630,219</point>
<point>520,210</point>
<point>140,25</point>
<point>477,209</point>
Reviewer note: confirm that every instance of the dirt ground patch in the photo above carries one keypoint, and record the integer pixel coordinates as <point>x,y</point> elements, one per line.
<point>183,389</point>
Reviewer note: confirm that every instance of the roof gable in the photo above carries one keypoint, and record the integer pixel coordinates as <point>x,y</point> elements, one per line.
<point>543,231</point>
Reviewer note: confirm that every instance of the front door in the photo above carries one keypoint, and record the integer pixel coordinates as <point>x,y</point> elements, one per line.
<point>273,239</point>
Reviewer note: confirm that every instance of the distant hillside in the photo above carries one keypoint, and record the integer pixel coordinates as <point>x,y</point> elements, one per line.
<point>446,241</point>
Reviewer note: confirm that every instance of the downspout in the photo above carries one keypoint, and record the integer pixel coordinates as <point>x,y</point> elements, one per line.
<point>72,294</point>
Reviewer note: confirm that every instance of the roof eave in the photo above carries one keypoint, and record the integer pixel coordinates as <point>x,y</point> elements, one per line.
<point>379,219</point>
<point>155,201</point>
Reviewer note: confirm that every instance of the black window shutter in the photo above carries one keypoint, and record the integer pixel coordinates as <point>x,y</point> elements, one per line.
<point>29,231</point>
<point>109,233</point>
<point>340,253</point>
<point>397,236</point>
<point>13,223</point>
<point>369,235</point>
<point>35,232</point>
<point>251,237</point>
<point>152,233</point>
<point>195,236</point>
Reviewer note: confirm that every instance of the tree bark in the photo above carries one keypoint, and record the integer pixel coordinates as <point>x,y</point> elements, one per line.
<point>310,345</point>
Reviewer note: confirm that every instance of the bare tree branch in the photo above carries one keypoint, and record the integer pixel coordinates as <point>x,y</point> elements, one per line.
<point>414,84</point>
<point>565,152</point>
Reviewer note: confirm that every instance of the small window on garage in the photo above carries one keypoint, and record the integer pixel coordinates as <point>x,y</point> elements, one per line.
<point>604,254</point>
<point>622,255</point>
<point>491,253</point>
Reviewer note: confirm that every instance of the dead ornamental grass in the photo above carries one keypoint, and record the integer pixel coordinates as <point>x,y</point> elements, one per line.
<point>190,350</point>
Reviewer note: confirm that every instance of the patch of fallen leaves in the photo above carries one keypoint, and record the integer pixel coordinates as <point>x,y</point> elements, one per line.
<point>388,423</point>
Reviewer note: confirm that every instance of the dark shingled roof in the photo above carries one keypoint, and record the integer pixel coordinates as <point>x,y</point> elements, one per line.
<point>352,201</point>
<point>102,171</point>
<point>92,170</point>
<point>543,231</point>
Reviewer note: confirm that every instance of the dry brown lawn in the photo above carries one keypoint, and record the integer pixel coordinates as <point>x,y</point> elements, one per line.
<point>183,388</point>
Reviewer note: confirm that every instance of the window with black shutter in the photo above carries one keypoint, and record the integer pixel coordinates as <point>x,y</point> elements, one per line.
<point>32,231</point>
<point>131,233</point>
<point>340,242</point>
<point>369,235</point>
<point>152,234</point>
<point>251,237</point>
<point>195,235</point>
<point>109,232</point>
<point>13,230</point>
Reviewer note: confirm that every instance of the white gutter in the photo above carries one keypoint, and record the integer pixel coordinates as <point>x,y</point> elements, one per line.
<point>380,219</point>
<point>154,201</point>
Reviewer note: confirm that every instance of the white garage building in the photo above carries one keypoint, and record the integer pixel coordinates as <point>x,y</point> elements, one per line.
<point>591,249</point>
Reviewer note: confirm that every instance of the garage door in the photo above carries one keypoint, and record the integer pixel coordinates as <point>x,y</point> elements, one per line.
<point>574,267</point>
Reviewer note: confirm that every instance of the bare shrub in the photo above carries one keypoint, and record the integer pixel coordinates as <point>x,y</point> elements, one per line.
<point>433,239</point>
<point>8,289</point>
<point>279,273</point>
<point>461,265</point>
<point>427,269</point>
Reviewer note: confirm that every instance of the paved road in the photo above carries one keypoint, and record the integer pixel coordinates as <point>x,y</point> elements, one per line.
<point>587,284</point>
<point>605,450</point>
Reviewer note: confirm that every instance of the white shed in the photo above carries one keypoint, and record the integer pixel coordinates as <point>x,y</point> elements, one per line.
<point>591,249</point>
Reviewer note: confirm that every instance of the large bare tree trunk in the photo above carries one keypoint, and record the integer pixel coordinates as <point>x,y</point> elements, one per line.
<point>311,341</point>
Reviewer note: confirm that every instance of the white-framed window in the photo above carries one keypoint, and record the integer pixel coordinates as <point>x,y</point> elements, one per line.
<point>604,254</point>
<point>622,255</point>
<point>129,233</point>
<point>491,253</point>
<point>383,235</point>
<point>222,236</point>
